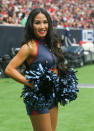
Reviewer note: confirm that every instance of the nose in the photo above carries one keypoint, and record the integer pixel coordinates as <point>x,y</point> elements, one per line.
<point>42,25</point>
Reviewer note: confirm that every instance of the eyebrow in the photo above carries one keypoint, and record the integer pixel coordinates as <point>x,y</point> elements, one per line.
<point>40,20</point>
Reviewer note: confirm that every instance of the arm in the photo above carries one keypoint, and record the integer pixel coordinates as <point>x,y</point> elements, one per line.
<point>11,69</point>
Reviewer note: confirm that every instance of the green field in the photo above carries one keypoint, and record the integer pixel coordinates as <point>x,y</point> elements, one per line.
<point>86,74</point>
<point>75,116</point>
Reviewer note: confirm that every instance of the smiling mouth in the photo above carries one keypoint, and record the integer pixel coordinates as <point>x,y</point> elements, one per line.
<point>42,32</point>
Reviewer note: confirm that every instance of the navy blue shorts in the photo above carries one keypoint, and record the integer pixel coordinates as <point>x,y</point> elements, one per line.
<point>30,111</point>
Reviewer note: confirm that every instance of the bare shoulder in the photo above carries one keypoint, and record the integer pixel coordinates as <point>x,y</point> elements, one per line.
<point>28,49</point>
<point>33,47</point>
<point>32,44</point>
<point>24,50</point>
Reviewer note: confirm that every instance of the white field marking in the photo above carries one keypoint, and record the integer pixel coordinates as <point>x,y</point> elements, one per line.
<point>86,85</point>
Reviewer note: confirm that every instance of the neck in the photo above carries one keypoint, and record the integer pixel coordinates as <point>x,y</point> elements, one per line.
<point>41,40</point>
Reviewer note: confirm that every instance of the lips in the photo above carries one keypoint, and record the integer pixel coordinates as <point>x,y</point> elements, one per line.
<point>42,32</point>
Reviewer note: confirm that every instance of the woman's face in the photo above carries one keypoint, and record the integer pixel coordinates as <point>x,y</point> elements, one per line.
<point>40,25</point>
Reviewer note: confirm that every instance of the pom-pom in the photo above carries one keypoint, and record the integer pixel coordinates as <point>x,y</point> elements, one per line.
<point>44,80</point>
<point>48,86</point>
<point>67,90</point>
<point>43,92</point>
<point>35,99</point>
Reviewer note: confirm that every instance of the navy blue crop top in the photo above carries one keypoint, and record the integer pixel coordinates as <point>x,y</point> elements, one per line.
<point>43,56</point>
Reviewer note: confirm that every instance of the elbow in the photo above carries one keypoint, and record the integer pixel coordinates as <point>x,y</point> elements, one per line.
<point>7,71</point>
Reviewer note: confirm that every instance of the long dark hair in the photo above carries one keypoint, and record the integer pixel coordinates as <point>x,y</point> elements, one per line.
<point>52,40</point>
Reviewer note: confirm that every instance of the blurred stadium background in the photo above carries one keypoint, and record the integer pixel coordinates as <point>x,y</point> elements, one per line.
<point>73,21</point>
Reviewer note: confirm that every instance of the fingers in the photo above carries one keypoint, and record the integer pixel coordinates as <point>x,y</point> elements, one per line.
<point>30,84</point>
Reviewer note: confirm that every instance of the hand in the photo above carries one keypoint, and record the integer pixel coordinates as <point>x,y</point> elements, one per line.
<point>30,84</point>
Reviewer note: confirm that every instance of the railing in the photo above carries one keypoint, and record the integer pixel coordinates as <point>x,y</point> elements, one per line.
<point>11,36</point>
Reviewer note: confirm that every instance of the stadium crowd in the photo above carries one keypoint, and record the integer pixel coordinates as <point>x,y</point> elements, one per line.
<point>64,13</point>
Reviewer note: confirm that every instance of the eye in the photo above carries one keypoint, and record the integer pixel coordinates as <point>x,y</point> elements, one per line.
<point>45,21</point>
<point>37,22</point>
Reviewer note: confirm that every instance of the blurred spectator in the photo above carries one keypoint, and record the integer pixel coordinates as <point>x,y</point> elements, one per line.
<point>92,19</point>
<point>23,19</point>
<point>5,20</point>
<point>64,13</point>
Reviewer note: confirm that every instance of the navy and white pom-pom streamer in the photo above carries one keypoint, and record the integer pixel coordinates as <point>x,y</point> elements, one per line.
<point>67,90</point>
<point>43,92</point>
<point>49,86</point>
<point>44,80</point>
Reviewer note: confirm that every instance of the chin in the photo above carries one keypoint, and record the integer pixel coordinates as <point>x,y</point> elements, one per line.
<point>42,36</point>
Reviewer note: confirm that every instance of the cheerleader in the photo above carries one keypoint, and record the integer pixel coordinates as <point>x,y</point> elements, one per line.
<point>47,81</point>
